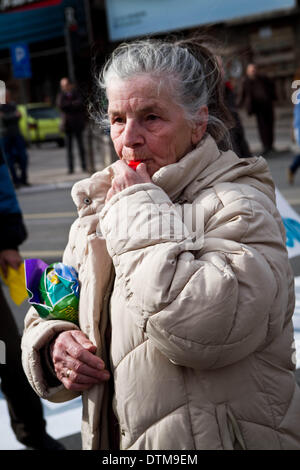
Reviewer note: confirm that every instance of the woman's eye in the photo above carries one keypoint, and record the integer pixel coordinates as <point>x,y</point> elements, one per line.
<point>151,117</point>
<point>117,120</point>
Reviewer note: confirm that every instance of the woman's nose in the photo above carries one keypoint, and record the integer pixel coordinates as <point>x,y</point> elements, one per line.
<point>133,134</point>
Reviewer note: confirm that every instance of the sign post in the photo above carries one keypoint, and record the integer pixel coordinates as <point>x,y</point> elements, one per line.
<point>70,22</point>
<point>20,60</point>
<point>21,66</point>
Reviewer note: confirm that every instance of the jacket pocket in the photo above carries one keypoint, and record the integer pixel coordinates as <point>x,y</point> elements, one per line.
<point>230,434</point>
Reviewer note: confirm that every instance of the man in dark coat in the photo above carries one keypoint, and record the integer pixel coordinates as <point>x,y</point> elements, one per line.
<point>258,95</point>
<point>70,103</point>
<point>24,406</point>
<point>238,140</point>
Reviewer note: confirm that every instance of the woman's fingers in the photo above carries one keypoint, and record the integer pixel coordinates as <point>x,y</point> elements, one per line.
<point>77,377</point>
<point>141,170</point>
<point>74,361</point>
<point>109,195</point>
<point>78,346</point>
<point>79,353</point>
<point>124,176</point>
<point>79,382</point>
<point>81,338</point>
<point>79,372</point>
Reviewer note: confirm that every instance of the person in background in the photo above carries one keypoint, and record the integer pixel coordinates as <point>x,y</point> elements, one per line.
<point>237,134</point>
<point>70,103</point>
<point>24,406</point>
<point>258,95</point>
<point>296,130</point>
<point>13,141</point>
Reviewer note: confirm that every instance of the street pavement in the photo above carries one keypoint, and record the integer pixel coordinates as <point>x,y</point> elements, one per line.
<point>49,211</point>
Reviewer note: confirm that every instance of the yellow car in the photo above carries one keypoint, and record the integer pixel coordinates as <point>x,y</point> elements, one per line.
<point>41,122</point>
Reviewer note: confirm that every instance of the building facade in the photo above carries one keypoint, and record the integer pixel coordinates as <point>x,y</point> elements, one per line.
<point>61,46</point>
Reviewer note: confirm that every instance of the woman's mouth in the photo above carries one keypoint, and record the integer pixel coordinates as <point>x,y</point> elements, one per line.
<point>134,163</point>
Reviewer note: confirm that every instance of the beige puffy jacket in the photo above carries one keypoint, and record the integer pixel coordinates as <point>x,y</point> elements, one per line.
<point>201,344</point>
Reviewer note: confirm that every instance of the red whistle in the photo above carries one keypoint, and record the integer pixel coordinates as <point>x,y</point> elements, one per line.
<point>134,163</point>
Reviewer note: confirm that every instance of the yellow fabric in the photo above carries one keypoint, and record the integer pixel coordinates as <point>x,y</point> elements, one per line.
<point>15,280</point>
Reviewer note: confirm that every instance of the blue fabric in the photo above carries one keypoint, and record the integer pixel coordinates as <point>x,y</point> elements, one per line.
<point>15,151</point>
<point>8,199</point>
<point>295,165</point>
<point>297,120</point>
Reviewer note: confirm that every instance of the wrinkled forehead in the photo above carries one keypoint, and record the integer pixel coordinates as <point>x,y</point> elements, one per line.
<point>138,92</point>
<point>138,95</point>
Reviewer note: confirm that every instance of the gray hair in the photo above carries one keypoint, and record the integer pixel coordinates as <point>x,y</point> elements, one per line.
<point>192,71</point>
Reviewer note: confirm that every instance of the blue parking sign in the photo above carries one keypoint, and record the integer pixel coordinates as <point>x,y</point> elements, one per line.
<point>20,60</point>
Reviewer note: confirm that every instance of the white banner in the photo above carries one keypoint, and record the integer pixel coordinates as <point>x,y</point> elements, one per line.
<point>291,222</point>
<point>132,18</point>
<point>296,321</point>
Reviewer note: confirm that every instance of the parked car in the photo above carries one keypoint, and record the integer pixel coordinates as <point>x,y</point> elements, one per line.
<point>41,122</point>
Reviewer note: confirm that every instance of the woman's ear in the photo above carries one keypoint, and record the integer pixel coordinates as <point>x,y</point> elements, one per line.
<point>200,126</point>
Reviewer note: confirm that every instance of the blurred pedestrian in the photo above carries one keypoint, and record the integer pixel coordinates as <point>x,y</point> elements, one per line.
<point>13,141</point>
<point>24,406</point>
<point>71,104</point>
<point>258,95</point>
<point>237,135</point>
<point>296,131</point>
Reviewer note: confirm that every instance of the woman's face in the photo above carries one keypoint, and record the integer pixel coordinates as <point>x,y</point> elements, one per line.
<point>146,123</point>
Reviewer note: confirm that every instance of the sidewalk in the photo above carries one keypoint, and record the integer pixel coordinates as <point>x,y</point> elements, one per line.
<point>48,167</point>
<point>48,171</point>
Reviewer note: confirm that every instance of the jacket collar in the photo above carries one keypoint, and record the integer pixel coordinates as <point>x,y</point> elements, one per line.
<point>200,169</point>
<point>176,177</point>
<point>206,166</point>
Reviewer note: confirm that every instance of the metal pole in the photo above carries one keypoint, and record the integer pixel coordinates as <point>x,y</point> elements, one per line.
<point>68,16</point>
<point>91,160</point>
<point>23,90</point>
<point>88,21</point>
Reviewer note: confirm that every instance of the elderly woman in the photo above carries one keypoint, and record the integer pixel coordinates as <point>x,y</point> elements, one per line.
<point>186,291</point>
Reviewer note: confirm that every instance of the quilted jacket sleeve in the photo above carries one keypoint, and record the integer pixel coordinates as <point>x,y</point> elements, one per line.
<point>202,309</point>
<point>37,335</point>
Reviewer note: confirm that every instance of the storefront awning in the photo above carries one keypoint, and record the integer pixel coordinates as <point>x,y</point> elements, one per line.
<point>35,21</point>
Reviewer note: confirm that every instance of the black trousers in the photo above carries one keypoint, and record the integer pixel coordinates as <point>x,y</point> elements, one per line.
<point>24,406</point>
<point>238,140</point>
<point>16,153</point>
<point>70,135</point>
<point>265,123</point>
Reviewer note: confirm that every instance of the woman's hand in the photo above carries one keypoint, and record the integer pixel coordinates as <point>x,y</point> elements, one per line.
<point>124,176</point>
<point>10,258</point>
<point>75,363</point>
